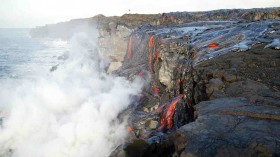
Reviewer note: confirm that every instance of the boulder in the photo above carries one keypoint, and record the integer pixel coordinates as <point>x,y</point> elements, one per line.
<point>152,124</point>
<point>214,85</point>
<point>114,66</point>
<point>230,77</point>
<point>165,75</point>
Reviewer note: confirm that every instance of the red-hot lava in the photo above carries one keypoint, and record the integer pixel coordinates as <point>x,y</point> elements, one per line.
<point>167,117</point>
<point>150,52</point>
<point>144,59</point>
<point>213,45</point>
<point>129,51</point>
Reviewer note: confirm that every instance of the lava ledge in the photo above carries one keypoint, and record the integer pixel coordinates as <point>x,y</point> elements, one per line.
<point>231,126</point>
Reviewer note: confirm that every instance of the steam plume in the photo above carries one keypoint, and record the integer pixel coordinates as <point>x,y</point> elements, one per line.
<point>70,112</point>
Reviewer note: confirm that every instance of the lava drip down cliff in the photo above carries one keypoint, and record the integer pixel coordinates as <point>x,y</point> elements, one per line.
<point>166,56</point>
<point>165,64</point>
<point>186,59</point>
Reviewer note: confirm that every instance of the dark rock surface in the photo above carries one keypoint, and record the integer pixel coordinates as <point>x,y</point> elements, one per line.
<point>229,57</point>
<point>242,126</point>
<point>232,127</point>
<point>243,118</point>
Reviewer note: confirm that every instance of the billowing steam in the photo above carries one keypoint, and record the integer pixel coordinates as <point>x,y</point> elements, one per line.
<point>70,112</point>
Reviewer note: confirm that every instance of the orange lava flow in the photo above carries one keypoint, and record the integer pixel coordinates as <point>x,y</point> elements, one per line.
<point>151,41</point>
<point>129,53</point>
<point>167,117</point>
<point>150,52</point>
<point>213,45</point>
<point>129,129</point>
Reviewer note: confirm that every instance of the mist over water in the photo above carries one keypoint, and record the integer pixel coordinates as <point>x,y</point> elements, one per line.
<point>70,112</point>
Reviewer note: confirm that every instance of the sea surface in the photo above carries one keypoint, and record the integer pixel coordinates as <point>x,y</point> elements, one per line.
<point>22,56</point>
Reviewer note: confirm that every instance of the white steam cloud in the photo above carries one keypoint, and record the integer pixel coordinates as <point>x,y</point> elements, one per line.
<point>70,112</point>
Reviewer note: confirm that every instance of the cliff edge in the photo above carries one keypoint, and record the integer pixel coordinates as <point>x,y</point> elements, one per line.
<point>212,80</point>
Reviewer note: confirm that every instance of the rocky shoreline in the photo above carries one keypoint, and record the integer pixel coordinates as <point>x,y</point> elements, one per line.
<point>241,117</point>
<point>212,80</point>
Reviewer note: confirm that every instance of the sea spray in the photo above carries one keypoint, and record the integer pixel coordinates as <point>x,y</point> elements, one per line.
<point>70,112</point>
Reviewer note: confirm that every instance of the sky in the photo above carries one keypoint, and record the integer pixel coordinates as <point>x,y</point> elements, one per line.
<point>31,13</point>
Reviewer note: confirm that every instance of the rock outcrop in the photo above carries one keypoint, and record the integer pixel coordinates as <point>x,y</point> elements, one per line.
<point>242,115</point>
<point>211,89</point>
<point>231,126</point>
<point>235,122</point>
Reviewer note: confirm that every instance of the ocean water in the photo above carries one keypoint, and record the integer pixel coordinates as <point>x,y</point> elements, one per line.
<point>21,55</point>
<point>70,111</point>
